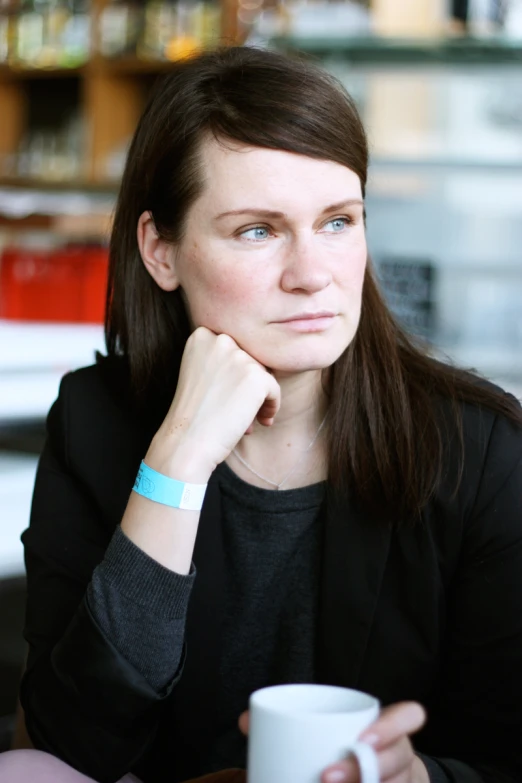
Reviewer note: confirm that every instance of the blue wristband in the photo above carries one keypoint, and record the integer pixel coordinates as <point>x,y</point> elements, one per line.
<point>162,489</point>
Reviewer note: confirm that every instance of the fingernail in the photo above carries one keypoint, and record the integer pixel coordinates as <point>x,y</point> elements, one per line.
<point>369,739</point>
<point>335,776</point>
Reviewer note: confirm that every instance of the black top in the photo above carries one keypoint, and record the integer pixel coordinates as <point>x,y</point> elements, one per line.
<point>431,612</point>
<point>271,543</point>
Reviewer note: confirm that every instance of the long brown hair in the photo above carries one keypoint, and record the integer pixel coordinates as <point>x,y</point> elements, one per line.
<point>385,431</point>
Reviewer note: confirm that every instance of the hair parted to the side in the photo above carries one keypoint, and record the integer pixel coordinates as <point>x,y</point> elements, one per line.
<point>385,437</point>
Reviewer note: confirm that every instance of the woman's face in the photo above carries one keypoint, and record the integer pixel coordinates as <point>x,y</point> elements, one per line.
<point>274,255</point>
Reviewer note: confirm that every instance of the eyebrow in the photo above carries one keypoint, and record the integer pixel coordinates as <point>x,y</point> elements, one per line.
<point>270,214</point>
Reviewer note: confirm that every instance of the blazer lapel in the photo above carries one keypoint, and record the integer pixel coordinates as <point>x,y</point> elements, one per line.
<point>354,555</point>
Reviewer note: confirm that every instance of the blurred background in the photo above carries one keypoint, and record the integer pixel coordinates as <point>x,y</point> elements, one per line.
<point>439,85</point>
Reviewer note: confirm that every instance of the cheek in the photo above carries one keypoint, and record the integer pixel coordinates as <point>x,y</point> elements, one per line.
<point>361,264</point>
<point>215,291</point>
<point>233,288</point>
<point>354,270</point>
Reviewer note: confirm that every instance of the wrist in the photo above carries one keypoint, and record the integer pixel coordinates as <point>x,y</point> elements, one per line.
<point>178,460</point>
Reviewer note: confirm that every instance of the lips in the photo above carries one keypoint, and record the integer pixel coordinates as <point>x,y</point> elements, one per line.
<point>308,323</point>
<point>308,316</point>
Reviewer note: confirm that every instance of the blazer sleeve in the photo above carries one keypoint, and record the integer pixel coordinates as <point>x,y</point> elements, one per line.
<point>83,701</point>
<point>480,705</point>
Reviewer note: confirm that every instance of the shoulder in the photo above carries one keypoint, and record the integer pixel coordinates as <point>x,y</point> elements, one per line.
<point>488,433</point>
<point>484,451</point>
<point>94,416</point>
<point>91,393</point>
<point>497,441</point>
<point>108,378</point>
<point>476,510</point>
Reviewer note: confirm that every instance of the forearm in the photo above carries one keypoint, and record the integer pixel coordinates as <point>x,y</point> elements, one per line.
<point>164,533</point>
<point>106,678</point>
<point>141,607</point>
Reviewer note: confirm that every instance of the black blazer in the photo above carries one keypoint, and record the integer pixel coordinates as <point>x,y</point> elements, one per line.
<point>431,612</point>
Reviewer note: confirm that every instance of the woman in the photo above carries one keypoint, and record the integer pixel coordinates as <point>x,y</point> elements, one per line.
<point>250,350</point>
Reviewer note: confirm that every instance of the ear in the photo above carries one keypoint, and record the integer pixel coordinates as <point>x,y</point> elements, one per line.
<point>157,254</point>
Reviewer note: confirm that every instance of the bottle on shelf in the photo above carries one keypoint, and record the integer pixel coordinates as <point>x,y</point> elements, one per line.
<point>53,154</point>
<point>197,27</point>
<point>9,10</point>
<point>47,34</point>
<point>119,28</point>
<point>75,42</point>
<point>160,30</point>
<point>160,21</point>
<point>4,38</point>
<point>29,38</point>
<point>55,15</point>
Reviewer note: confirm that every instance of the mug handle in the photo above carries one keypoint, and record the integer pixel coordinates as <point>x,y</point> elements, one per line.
<point>367,760</point>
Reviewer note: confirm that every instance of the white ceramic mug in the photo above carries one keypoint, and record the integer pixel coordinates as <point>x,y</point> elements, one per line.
<point>296,731</point>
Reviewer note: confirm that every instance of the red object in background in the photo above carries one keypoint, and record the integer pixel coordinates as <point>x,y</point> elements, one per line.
<point>63,285</point>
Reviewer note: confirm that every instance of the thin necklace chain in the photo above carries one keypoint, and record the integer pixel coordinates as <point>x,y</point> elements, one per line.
<point>301,458</point>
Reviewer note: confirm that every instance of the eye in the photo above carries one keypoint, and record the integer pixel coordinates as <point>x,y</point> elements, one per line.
<point>337,224</point>
<point>256,234</point>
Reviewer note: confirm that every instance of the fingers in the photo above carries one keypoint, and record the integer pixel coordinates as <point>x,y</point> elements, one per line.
<point>389,735</point>
<point>406,717</point>
<point>221,394</point>
<point>270,406</point>
<point>393,761</point>
<point>264,417</point>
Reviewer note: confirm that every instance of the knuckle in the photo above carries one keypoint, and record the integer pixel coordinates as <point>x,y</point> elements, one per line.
<point>224,341</point>
<point>252,373</point>
<point>198,337</point>
<point>275,387</point>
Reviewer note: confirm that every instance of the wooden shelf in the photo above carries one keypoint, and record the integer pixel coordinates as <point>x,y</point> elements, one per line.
<point>108,95</point>
<point>128,65</point>
<point>8,72</point>
<point>65,186</point>
<point>28,222</point>
<point>375,50</point>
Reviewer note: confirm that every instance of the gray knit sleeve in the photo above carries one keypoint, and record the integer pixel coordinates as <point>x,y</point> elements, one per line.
<point>141,607</point>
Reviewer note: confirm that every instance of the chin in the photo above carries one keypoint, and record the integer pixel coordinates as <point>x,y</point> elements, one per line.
<point>304,354</point>
<point>305,361</point>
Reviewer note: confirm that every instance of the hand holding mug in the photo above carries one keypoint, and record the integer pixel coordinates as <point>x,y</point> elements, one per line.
<point>389,736</point>
<point>312,733</point>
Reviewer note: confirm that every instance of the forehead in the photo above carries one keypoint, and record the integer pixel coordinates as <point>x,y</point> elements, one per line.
<point>234,171</point>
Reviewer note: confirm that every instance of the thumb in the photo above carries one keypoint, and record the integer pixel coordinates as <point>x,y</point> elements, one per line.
<point>244,720</point>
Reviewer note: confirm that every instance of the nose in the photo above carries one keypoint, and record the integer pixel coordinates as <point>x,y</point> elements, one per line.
<point>305,268</point>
